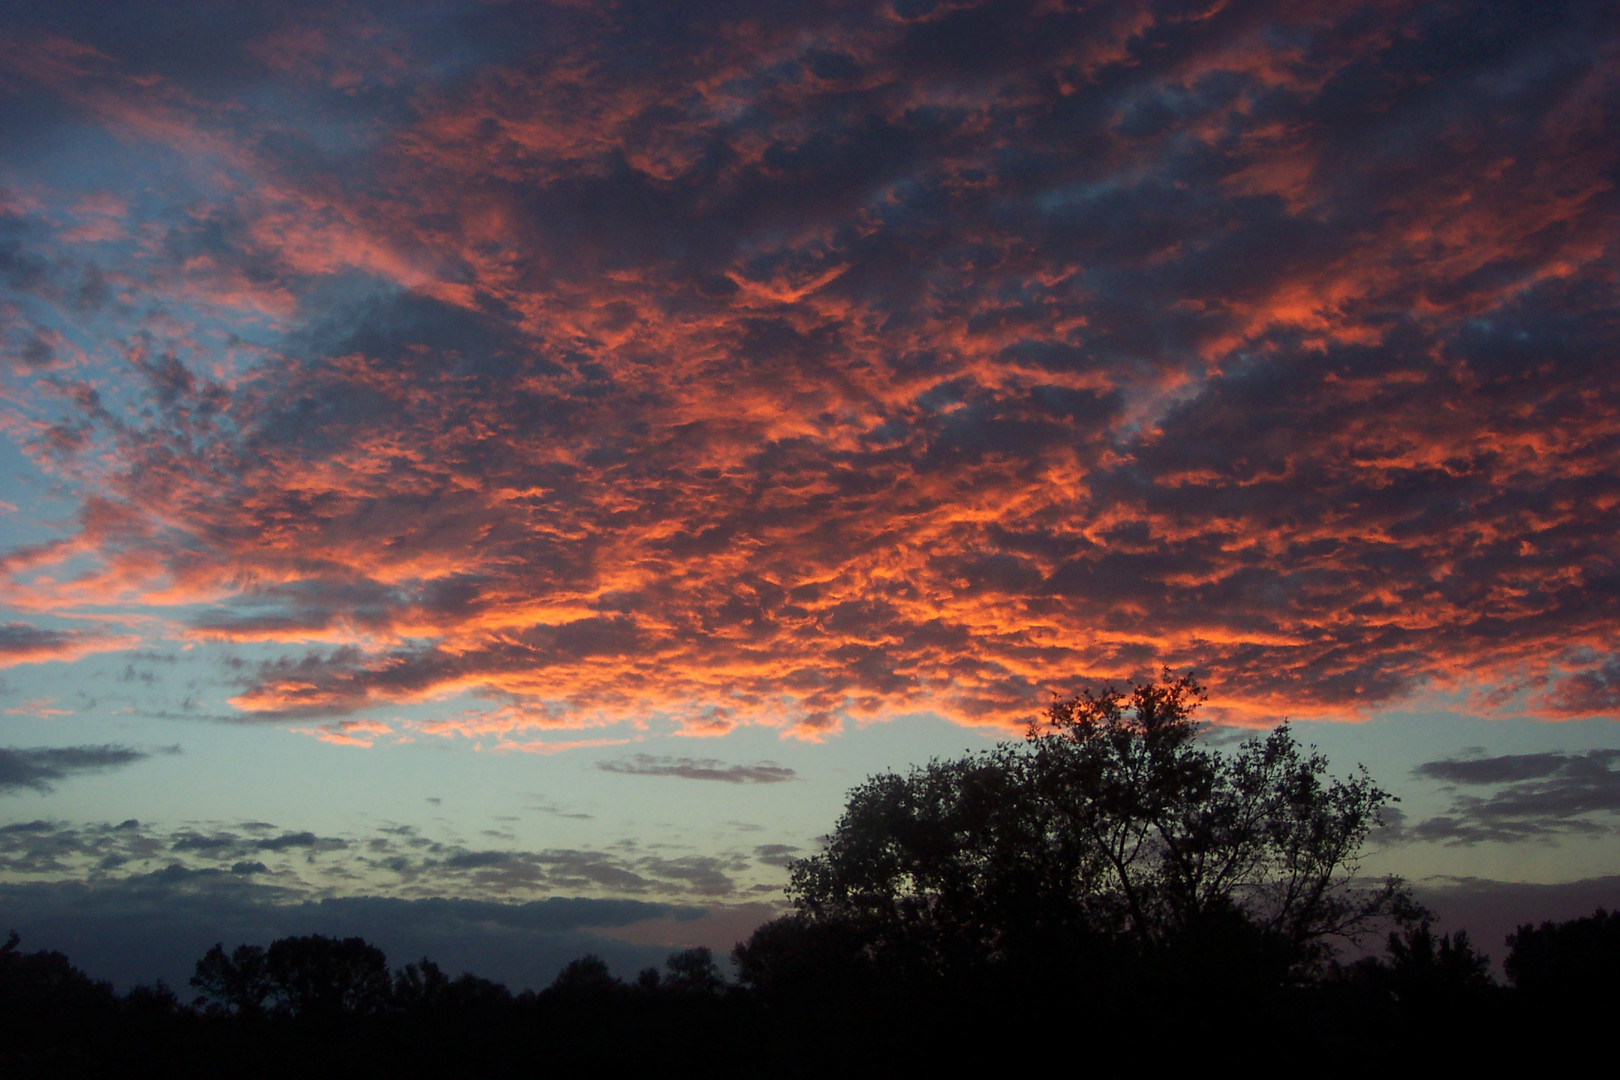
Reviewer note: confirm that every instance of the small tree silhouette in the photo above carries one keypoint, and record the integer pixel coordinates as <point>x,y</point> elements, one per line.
<point>693,971</point>
<point>311,976</point>
<point>238,983</point>
<point>585,978</point>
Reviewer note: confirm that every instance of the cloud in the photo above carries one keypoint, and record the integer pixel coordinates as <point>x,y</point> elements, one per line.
<point>41,768</point>
<point>776,854</point>
<point>135,900</point>
<point>610,363</point>
<point>348,732</point>
<point>698,769</point>
<point>302,865</point>
<point>1535,796</point>
<point>22,643</point>
<point>1593,692</point>
<point>299,840</point>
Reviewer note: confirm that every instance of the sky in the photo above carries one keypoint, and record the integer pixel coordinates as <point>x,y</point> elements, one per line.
<point>492,476</point>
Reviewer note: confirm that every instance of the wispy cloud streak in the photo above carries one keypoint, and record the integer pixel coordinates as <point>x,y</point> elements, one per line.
<point>762,772</point>
<point>1527,796</point>
<point>41,768</point>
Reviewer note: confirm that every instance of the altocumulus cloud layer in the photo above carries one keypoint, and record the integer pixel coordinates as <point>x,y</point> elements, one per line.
<point>132,899</point>
<point>794,364</point>
<point>396,861</point>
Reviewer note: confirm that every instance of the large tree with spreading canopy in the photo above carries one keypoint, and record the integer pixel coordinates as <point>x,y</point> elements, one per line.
<point>1112,826</point>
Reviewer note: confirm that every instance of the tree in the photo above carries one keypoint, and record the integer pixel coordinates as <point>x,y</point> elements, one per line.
<point>318,976</point>
<point>1568,966</point>
<point>237,983</point>
<point>312,976</point>
<point>693,971</point>
<point>585,978</point>
<point>44,987</point>
<point>424,986</point>
<point>52,1015</point>
<point>1426,968</point>
<point>1110,827</point>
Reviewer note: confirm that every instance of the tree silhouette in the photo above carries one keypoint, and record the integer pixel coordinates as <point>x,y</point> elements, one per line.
<point>1109,828</point>
<point>39,986</point>
<point>238,983</point>
<point>1571,966</point>
<point>324,977</point>
<point>424,986</point>
<point>586,978</point>
<point>693,971</point>
<point>314,976</point>
<point>1425,966</point>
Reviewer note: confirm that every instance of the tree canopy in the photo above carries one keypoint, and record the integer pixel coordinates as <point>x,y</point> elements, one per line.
<point>1570,967</point>
<point>1111,826</point>
<point>312,976</point>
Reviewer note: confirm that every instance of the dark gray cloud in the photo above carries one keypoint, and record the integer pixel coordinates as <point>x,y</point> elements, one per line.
<point>225,844</point>
<point>190,841</point>
<point>132,901</point>
<point>1530,796</point>
<point>763,772</point>
<point>1505,769</point>
<point>303,865</point>
<point>21,642</point>
<point>41,768</point>
<point>306,840</point>
<point>776,854</point>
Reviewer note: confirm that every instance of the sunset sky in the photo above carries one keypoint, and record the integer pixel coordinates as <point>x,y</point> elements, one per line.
<point>492,476</point>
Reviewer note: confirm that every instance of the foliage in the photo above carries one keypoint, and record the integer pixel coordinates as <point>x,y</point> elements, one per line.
<point>1573,963</point>
<point>424,986</point>
<point>693,971</point>
<point>830,957</point>
<point>38,985</point>
<point>1428,976</point>
<point>1109,827</point>
<point>329,977</point>
<point>586,978</point>
<point>236,983</point>
<point>312,976</point>
<point>1423,965</point>
<point>840,1012</point>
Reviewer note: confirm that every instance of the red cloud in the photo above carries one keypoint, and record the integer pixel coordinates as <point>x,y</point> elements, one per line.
<point>794,375</point>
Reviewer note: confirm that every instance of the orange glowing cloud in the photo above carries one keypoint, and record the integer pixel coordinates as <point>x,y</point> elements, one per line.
<point>21,643</point>
<point>788,375</point>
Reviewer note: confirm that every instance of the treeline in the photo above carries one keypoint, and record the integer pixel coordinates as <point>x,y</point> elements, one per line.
<point>1109,890</point>
<point>319,1006</point>
<point>809,1001</point>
